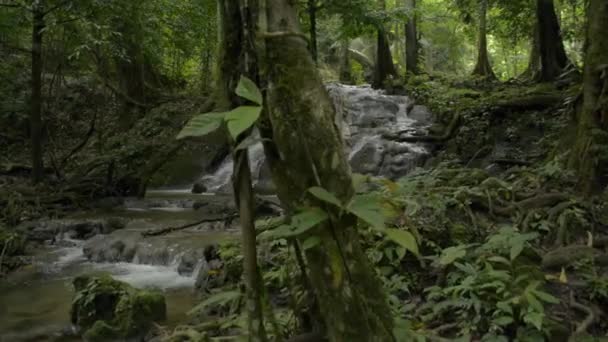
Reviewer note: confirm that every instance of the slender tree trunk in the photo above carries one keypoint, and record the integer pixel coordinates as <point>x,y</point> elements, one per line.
<point>36,100</point>
<point>483,67</point>
<point>411,39</point>
<point>305,150</point>
<point>590,155</point>
<point>384,59</point>
<point>312,14</point>
<point>553,59</point>
<point>235,59</point>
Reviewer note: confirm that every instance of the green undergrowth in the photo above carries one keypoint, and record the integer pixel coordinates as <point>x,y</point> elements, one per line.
<point>516,256</point>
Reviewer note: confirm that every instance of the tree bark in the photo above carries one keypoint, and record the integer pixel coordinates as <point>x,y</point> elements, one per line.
<point>236,59</point>
<point>305,149</point>
<point>483,67</point>
<point>384,60</point>
<point>553,59</point>
<point>344,67</point>
<point>411,39</point>
<point>312,15</point>
<point>36,105</point>
<point>589,155</point>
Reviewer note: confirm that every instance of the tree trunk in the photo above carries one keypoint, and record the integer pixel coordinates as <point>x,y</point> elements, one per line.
<point>305,150</point>
<point>236,59</point>
<point>411,39</point>
<point>384,59</point>
<point>36,105</point>
<point>483,67</point>
<point>589,155</point>
<point>312,15</point>
<point>553,59</point>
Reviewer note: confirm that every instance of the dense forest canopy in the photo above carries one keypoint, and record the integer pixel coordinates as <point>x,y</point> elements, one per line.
<point>311,170</point>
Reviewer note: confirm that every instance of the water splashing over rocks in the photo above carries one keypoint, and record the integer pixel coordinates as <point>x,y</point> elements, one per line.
<point>371,123</point>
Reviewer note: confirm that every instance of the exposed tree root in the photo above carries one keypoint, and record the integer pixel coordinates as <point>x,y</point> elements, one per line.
<point>530,102</point>
<point>587,322</point>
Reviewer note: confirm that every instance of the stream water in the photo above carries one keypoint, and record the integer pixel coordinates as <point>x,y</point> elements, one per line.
<point>35,301</point>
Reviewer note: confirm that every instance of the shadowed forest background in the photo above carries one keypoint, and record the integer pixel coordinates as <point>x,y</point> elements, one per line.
<point>313,170</point>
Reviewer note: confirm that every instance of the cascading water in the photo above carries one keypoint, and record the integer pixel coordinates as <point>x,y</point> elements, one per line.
<point>371,123</point>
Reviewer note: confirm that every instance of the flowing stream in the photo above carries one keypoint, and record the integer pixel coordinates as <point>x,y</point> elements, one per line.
<point>35,301</point>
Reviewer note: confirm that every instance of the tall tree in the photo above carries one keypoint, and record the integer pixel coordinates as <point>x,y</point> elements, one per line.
<point>305,149</point>
<point>483,67</point>
<point>312,8</point>
<point>38,14</point>
<point>553,58</point>
<point>384,58</point>
<point>590,155</point>
<point>411,38</point>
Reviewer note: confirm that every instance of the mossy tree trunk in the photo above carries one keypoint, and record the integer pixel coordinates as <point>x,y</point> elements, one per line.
<point>411,39</point>
<point>553,59</point>
<point>344,68</point>
<point>312,16</point>
<point>590,153</point>
<point>483,68</point>
<point>36,100</point>
<point>304,150</point>
<point>384,59</point>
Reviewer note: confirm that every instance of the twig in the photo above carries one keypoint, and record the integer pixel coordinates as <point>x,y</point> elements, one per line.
<point>167,230</point>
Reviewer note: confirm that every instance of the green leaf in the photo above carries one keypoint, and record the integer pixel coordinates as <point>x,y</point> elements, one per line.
<point>311,242</point>
<point>202,124</point>
<point>403,238</point>
<point>535,318</point>
<point>516,248</point>
<point>249,90</point>
<point>241,119</point>
<point>307,219</point>
<point>325,196</point>
<point>368,209</point>
<point>451,254</point>
<point>545,297</point>
<point>503,321</point>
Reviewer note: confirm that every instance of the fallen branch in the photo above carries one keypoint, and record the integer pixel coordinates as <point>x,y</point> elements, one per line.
<point>530,102</point>
<point>167,230</point>
<point>447,134</point>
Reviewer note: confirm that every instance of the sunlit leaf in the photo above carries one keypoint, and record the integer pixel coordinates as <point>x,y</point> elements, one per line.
<point>241,119</point>
<point>249,90</point>
<point>403,238</point>
<point>451,254</point>
<point>201,125</point>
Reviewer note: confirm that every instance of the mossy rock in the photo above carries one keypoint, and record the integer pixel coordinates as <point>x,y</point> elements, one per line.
<point>568,256</point>
<point>105,309</point>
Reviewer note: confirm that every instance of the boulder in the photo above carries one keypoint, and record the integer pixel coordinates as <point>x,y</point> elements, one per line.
<point>199,188</point>
<point>105,309</point>
<point>367,156</point>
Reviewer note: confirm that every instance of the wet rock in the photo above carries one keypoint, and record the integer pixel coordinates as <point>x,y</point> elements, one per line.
<point>105,309</point>
<point>112,248</point>
<point>189,261</point>
<point>368,157</point>
<point>199,204</point>
<point>83,230</point>
<point>422,114</point>
<point>113,223</point>
<point>199,188</point>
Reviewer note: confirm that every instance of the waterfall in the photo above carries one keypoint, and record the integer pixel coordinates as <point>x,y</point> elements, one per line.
<point>370,123</point>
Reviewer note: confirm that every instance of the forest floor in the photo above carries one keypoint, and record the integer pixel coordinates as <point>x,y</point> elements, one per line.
<point>508,247</point>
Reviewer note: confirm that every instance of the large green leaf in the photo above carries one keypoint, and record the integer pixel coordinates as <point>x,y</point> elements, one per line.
<point>325,196</point>
<point>241,119</point>
<point>403,238</point>
<point>202,124</point>
<point>451,254</point>
<point>368,209</point>
<point>248,90</point>
<point>300,224</point>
